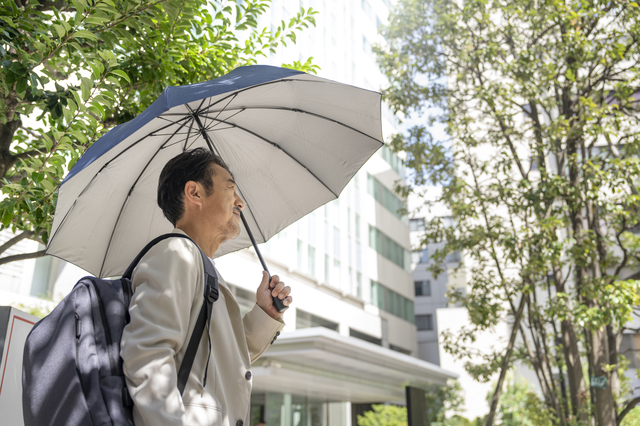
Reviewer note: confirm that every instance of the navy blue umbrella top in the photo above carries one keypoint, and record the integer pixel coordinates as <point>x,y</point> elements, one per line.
<point>172,96</point>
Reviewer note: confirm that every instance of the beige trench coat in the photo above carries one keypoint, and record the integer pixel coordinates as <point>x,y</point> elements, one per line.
<point>168,286</point>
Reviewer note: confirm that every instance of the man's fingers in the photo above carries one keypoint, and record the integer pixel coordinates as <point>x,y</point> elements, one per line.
<point>274,281</point>
<point>277,289</point>
<point>285,292</point>
<point>264,284</point>
<point>287,301</point>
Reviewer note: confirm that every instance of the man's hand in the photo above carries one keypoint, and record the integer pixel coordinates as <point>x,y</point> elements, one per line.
<point>276,289</point>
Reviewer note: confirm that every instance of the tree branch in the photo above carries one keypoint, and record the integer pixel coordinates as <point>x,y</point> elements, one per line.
<point>15,240</point>
<point>31,132</point>
<point>506,359</point>
<point>23,256</point>
<point>630,406</point>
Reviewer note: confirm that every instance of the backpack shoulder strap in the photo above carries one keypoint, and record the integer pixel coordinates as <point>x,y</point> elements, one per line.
<point>145,250</point>
<point>210,296</point>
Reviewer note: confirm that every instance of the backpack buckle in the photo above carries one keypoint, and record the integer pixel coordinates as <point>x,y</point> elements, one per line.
<point>211,294</point>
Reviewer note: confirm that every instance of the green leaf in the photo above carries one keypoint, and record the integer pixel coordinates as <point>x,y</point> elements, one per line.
<point>47,185</point>
<point>7,217</point>
<point>60,30</point>
<point>121,74</point>
<point>21,85</point>
<point>86,85</point>
<point>85,34</point>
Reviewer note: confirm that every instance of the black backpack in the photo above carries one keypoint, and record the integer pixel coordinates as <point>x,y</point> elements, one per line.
<point>72,371</point>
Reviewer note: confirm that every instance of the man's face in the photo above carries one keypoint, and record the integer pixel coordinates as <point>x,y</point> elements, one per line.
<point>223,206</point>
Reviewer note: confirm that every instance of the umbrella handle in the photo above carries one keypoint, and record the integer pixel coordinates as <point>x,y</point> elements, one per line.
<point>277,302</point>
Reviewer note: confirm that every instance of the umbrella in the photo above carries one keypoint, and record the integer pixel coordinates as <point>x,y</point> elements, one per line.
<point>292,141</point>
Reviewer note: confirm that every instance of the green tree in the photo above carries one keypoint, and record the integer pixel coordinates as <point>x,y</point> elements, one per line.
<point>71,70</point>
<point>443,401</point>
<point>384,415</point>
<point>540,101</point>
<point>520,406</point>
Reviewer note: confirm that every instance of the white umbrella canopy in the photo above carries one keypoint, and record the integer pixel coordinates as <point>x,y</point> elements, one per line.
<point>291,140</point>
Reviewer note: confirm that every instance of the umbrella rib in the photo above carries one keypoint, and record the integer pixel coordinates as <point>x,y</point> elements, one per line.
<point>215,151</point>
<point>163,117</point>
<point>281,149</point>
<point>186,141</point>
<point>223,108</point>
<point>287,80</point>
<point>220,121</point>
<point>113,231</point>
<point>298,110</point>
<point>104,166</point>
<point>202,131</point>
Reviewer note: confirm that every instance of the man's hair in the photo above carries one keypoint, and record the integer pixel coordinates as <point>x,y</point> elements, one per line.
<point>194,165</point>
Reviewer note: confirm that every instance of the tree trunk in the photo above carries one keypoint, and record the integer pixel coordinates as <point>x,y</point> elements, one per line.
<point>605,411</point>
<point>577,388</point>
<point>614,345</point>
<point>7,160</point>
<point>504,367</point>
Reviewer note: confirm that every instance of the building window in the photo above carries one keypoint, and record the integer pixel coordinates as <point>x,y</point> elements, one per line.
<point>387,198</point>
<point>327,236</point>
<point>307,320</point>
<point>453,257</point>
<point>423,288</point>
<point>357,226</point>
<point>420,256</point>
<point>311,261</point>
<point>336,273</point>
<point>365,337</point>
<point>424,322</point>
<point>359,284</point>
<point>393,160</point>
<point>312,229</point>
<point>416,224</point>
<point>336,242</point>
<point>246,299</point>
<point>300,248</point>
<point>389,301</point>
<point>366,46</point>
<point>389,248</point>
<point>326,268</point>
<point>399,349</point>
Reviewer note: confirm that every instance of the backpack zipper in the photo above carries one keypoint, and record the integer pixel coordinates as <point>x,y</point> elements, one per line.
<point>78,333</point>
<point>107,332</point>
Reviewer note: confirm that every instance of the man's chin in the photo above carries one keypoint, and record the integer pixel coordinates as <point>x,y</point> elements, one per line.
<point>234,231</point>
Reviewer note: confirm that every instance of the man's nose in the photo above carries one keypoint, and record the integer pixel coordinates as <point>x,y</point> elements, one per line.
<point>239,203</point>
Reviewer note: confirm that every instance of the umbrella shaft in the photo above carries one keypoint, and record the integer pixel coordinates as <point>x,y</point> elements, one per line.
<point>277,302</point>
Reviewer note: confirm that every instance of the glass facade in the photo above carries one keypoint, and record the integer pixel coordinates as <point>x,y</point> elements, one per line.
<point>394,161</point>
<point>389,248</point>
<point>391,302</point>
<point>387,198</point>
<point>286,409</point>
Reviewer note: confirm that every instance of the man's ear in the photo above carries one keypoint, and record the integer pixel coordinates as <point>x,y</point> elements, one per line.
<point>192,193</point>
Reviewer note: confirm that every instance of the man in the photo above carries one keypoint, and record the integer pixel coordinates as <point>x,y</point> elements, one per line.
<point>198,195</point>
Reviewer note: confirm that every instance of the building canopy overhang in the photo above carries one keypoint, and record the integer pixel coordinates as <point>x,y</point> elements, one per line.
<point>320,363</point>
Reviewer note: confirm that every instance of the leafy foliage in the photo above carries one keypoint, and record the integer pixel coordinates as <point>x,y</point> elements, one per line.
<point>540,102</point>
<point>442,402</point>
<point>520,406</point>
<point>72,70</point>
<point>384,415</point>
<point>632,419</point>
